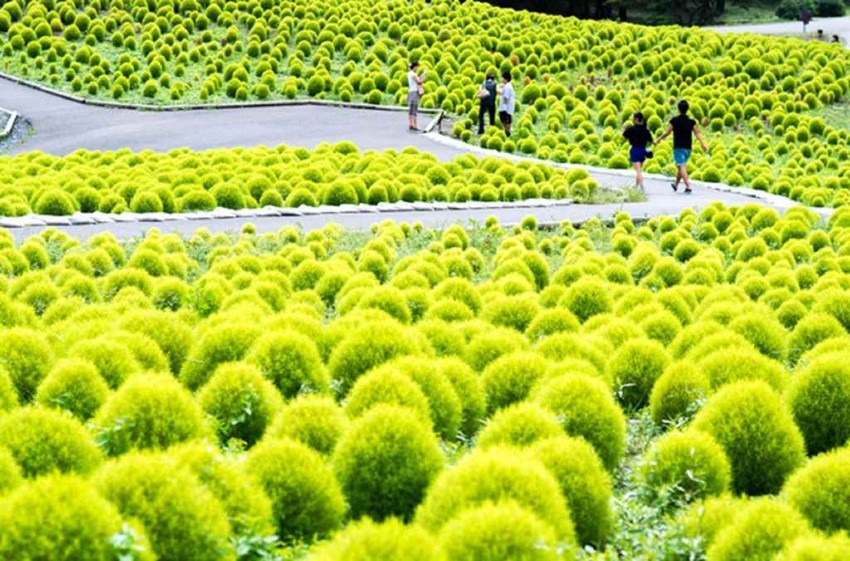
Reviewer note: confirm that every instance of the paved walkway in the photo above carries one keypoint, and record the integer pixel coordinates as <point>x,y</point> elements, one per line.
<point>62,126</point>
<point>830,27</point>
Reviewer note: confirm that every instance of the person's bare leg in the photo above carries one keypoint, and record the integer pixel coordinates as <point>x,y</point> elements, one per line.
<point>683,171</point>
<point>638,175</point>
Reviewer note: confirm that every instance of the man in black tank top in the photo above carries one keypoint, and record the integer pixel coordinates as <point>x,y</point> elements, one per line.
<point>683,129</point>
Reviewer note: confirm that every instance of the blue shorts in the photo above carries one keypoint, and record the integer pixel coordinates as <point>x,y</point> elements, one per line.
<point>637,155</point>
<point>681,156</point>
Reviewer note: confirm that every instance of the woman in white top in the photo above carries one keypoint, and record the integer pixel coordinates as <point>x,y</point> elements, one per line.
<point>414,92</point>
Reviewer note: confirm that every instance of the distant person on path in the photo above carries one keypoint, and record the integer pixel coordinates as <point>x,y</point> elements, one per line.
<point>507,103</point>
<point>683,129</point>
<point>488,102</point>
<point>414,94</point>
<point>639,138</point>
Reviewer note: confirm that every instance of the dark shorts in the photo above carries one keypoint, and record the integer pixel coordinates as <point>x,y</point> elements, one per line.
<point>637,155</point>
<point>505,117</point>
<point>413,103</point>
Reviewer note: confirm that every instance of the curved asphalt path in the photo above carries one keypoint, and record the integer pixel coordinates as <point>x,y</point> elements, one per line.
<point>830,26</point>
<point>62,126</point>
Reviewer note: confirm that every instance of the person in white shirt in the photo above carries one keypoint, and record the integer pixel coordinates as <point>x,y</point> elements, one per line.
<point>414,93</point>
<point>507,103</point>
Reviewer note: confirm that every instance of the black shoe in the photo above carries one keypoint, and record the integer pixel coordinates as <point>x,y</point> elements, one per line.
<point>688,191</point>
<point>675,187</point>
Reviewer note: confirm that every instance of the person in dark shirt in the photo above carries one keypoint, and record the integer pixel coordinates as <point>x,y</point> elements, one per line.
<point>639,138</point>
<point>683,129</point>
<point>488,102</point>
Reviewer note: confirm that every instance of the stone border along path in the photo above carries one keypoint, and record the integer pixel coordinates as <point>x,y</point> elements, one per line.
<point>63,126</point>
<point>10,118</point>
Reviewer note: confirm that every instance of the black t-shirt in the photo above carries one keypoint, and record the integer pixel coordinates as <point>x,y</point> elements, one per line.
<point>683,128</point>
<point>638,136</point>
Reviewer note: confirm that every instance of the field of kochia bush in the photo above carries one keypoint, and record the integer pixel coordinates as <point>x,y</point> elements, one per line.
<point>773,107</point>
<point>673,389</point>
<point>187,181</point>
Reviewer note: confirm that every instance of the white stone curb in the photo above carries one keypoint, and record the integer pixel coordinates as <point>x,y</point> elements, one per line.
<point>77,219</point>
<point>13,116</point>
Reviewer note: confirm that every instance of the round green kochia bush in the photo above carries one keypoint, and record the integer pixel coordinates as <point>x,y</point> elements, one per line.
<point>495,531</point>
<point>585,484</point>
<point>10,473</point>
<point>291,361</point>
<point>702,520</point>
<point>820,490</point>
<point>509,378</point>
<point>758,532</point>
<point>366,347</point>
<point>757,432</point>
<point>43,441</point>
<point>27,358</point>
<point>587,297</point>
<point>366,540</point>
<point>148,411</point>
<point>63,518</point>
<point>306,498</point>
<point>387,385</point>
<point>241,402</point>
<point>811,330</point>
<point>469,390</point>
<point>227,342</point>
<point>689,464</point>
<point>443,402</point>
<point>678,393</point>
<point>114,361</point>
<point>181,517</point>
<point>75,386</point>
<point>8,393</point>
<point>816,548</point>
<point>587,409</point>
<point>634,368</point>
<point>314,420</point>
<point>519,425</point>
<point>492,476</point>
<point>386,461</point>
<point>733,363</point>
<point>248,508</point>
<point>490,344</point>
<point>819,397</point>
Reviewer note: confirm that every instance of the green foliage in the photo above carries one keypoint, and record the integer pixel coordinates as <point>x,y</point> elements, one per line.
<point>75,386</point>
<point>509,379</point>
<point>181,517</point>
<point>819,490</point>
<point>63,518</point>
<point>306,499</point>
<point>498,474</point>
<point>148,411</point>
<point>677,394</point>
<point>758,434</point>
<point>366,540</point>
<point>758,532</point>
<point>43,441</point>
<point>519,425</point>
<point>494,531</point>
<point>635,367</point>
<point>291,361</point>
<point>314,420</point>
<point>385,462</point>
<point>587,409</point>
<point>688,464</point>
<point>27,358</point>
<point>819,397</point>
<point>241,401</point>
<point>584,483</point>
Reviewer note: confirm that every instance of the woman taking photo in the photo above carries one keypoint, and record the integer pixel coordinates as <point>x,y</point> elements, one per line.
<point>414,94</point>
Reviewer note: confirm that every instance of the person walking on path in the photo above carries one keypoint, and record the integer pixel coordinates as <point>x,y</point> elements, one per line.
<point>487,95</point>
<point>414,94</point>
<point>683,129</point>
<point>639,138</point>
<point>507,103</point>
